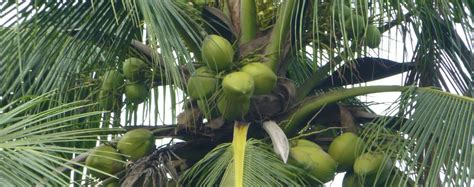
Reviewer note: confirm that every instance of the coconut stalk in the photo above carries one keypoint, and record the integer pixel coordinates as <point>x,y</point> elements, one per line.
<point>248,21</point>
<point>279,34</point>
<point>313,104</point>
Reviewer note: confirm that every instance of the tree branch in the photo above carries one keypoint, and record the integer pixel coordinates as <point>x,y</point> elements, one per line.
<point>280,33</point>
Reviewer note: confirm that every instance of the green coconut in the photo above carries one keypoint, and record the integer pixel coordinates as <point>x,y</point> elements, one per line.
<point>373,36</point>
<point>304,143</point>
<point>208,108</point>
<point>355,25</point>
<point>136,93</point>
<point>264,78</point>
<point>232,109</point>
<point>361,7</point>
<point>112,81</point>
<point>106,159</point>
<point>217,53</point>
<point>314,160</point>
<point>351,180</point>
<point>368,165</point>
<point>203,69</point>
<point>134,68</point>
<point>136,143</point>
<point>202,84</point>
<point>324,167</point>
<point>341,11</point>
<point>345,149</point>
<point>238,85</point>
<point>108,100</point>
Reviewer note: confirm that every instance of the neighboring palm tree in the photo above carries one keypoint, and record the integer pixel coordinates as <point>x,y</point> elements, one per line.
<point>61,90</point>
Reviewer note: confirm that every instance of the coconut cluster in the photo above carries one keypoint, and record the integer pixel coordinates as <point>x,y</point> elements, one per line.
<point>135,70</point>
<point>136,143</point>
<point>312,158</point>
<point>131,83</point>
<point>362,169</point>
<point>355,22</point>
<point>223,87</point>
<point>110,93</point>
<point>107,160</point>
<point>344,155</point>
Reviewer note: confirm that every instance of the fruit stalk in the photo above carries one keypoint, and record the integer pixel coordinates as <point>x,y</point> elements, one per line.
<point>313,104</point>
<point>248,21</point>
<point>279,33</point>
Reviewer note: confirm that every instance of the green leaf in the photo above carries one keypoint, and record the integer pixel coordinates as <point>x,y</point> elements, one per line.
<point>217,167</point>
<point>433,145</point>
<point>30,148</point>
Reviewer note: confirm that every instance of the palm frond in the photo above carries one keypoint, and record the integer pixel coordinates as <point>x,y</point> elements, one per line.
<point>433,144</point>
<point>217,168</point>
<point>30,147</point>
<point>175,30</point>
<point>61,45</point>
<point>444,59</point>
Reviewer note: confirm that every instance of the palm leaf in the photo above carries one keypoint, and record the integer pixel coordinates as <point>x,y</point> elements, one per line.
<point>433,145</point>
<point>443,58</point>
<point>29,150</point>
<point>217,167</point>
<point>175,30</point>
<point>43,52</point>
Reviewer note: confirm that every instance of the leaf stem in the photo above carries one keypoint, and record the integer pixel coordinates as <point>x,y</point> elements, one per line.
<point>312,104</point>
<point>279,33</point>
<point>248,21</point>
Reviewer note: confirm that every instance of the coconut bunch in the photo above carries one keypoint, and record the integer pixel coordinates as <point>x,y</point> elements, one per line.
<point>355,22</point>
<point>114,85</point>
<point>312,158</point>
<point>227,84</point>
<point>362,169</point>
<point>110,94</point>
<point>352,18</point>
<point>132,146</point>
<point>344,155</point>
<point>135,70</point>
<point>107,159</point>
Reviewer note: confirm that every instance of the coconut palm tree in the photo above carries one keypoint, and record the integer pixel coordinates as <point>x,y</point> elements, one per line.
<point>247,82</point>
